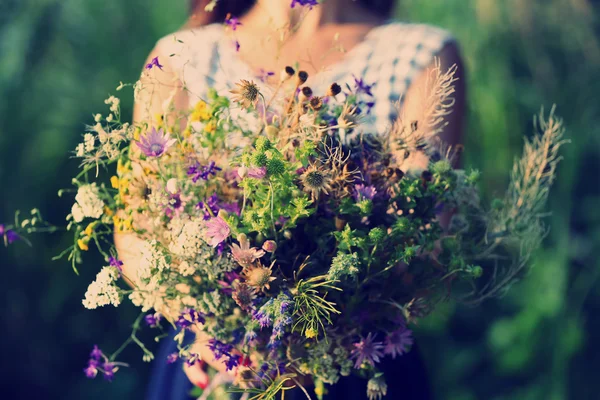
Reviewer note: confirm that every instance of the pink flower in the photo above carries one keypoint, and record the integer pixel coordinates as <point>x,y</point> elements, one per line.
<point>243,253</point>
<point>217,231</point>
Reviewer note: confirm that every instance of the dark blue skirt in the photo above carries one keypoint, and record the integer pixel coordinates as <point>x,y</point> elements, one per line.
<point>406,378</point>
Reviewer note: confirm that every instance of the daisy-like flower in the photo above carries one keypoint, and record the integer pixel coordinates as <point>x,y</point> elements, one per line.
<point>259,277</point>
<point>367,350</point>
<point>398,342</point>
<point>243,253</point>
<point>243,295</point>
<point>217,231</point>
<point>155,143</point>
<point>316,180</point>
<point>246,93</point>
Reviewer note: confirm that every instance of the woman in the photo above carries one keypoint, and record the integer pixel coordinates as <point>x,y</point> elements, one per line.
<point>384,60</point>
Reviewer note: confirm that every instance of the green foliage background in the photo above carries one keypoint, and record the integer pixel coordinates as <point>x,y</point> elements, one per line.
<point>59,59</point>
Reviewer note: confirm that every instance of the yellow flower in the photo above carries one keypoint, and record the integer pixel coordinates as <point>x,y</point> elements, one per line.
<point>310,333</point>
<point>200,112</point>
<point>83,243</point>
<point>107,211</point>
<point>187,132</point>
<point>89,230</point>
<point>210,127</point>
<point>114,181</point>
<point>122,225</point>
<point>159,119</point>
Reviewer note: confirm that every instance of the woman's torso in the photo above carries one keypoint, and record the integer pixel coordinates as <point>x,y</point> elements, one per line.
<point>386,62</point>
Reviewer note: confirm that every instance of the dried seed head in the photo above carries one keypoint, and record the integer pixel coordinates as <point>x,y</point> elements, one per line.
<point>302,77</point>
<point>334,90</point>
<point>286,73</point>
<point>258,277</point>
<point>305,94</point>
<point>316,103</point>
<point>246,93</point>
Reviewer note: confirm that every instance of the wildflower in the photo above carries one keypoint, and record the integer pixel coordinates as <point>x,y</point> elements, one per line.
<point>362,192</point>
<point>316,103</point>
<point>197,171</point>
<point>256,172</point>
<point>305,3</point>
<point>237,45</point>
<point>264,75</point>
<point>9,235</point>
<point>361,87</point>
<point>398,342</point>
<point>154,63</point>
<point>188,317</point>
<point>172,358</point>
<point>270,246</point>
<point>232,22</point>
<point>109,369</point>
<point>316,180</point>
<point>376,387</point>
<point>243,295</point>
<point>259,277</point>
<point>103,291</point>
<point>91,371</point>
<point>152,320</point>
<point>310,333</point>
<point>334,90</point>
<point>83,244</point>
<point>367,350</point>
<point>305,94</point>
<point>302,78</point>
<point>217,230</point>
<point>87,203</point>
<point>246,93</point>
<point>201,112</point>
<point>243,253</point>
<point>155,143</point>
<point>344,264</point>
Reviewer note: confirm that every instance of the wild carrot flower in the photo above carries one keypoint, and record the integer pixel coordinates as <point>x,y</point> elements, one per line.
<point>398,342</point>
<point>154,63</point>
<point>246,93</point>
<point>155,143</point>
<point>217,231</point>
<point>367,350</point>
<point>243,253</point>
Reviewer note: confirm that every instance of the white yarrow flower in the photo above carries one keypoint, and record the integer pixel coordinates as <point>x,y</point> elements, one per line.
<point>87,203</point>
<point>102,291</point>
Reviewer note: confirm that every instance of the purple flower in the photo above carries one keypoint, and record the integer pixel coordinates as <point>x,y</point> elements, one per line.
<point>305,3</point>
<point>154,63</point>
<point>398,342</point>
<point>264,75</point>
<point>232,362</point>
<point>257,173</point>
<point>191,360</point>
<point>269,246</point>
<point>152,320</point>
<point>232,22</point>
<point>210,206</point>
<point>367,350</point>
<point>198,171</point>
<point>363,192</point>
<point>217,231</point>
<point>237,45</point>
<point>361,87</point>
<point>172,358</point>
<point>109,369</point>
<point>92,369</point>
<point>155,143</point>
<point>188,317</point>
<point>250,336</point>
<point>96,353</point>
<point>9,235</point>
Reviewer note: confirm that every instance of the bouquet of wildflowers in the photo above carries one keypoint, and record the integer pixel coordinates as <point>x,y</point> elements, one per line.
<point>301,244</point>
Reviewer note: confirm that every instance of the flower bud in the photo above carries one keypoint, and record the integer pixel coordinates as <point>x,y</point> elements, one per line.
<point>172,186</point>
<point>305,94</point>
<point>222,214</point>
<point>269,246</point>
<point>334,90</point>
<point>302,77</point>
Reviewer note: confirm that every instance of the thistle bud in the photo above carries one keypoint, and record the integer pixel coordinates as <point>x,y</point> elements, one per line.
<point>305,94</point>
<point>286,73</point>
<point>334,90</point>
<point>269,246</point>
<point>302,77</point>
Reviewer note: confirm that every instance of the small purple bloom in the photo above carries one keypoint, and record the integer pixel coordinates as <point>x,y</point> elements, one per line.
<point>232,362</point>
<point>172,358</point>
<point>217,231</point>
<point>257,173</point>
<point>305,3</point>
<point>367,350</point>
<point>198,171</point>
<point>264,75</point>
<point>152,320</point>
<point>210,206</point>
<point>232,22</point>
<point>361,87</point>
<point>363,192</point>
<point>188,317</point>
<point>155,143</point>
<point>154,63</point>
<point>191,360</point>
<point>109,369</point>
<point>12,236</point>
<point>96,353</point>
<point>91,371</point>
<point>115,262</point>
<point>237,45</point>
<point>398,342</point>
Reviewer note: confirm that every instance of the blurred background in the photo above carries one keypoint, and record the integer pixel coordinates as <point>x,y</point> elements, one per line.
<point>59,59</point>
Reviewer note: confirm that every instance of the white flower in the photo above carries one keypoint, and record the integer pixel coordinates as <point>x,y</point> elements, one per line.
<point>186,269</point>
<point>152,259</point>
<point>109,118</point>
<point>80,150</point>
<point>187,241</point>
<point>172,186</point>
<point>87,203</point>
<point>102,291</point>
<point>97,117</point>
<point>88,141</point>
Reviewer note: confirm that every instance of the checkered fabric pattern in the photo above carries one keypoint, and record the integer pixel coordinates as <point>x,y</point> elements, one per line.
<point>391,56</point>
